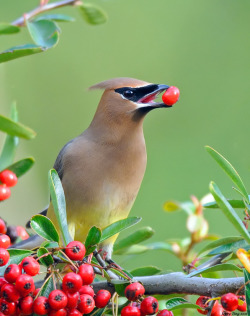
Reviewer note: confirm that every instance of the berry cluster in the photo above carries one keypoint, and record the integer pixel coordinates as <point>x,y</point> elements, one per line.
<point>7,179</point>
<point>229,303</point>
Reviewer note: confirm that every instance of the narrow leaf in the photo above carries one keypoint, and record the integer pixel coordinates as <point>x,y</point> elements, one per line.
<point>43,226</point>
<point>119,226</point>
<point>247,290</point>
<point>219,242</point>
<point>172,206</point>
<point>136,237</point>
<point>233,203</point>
<point>46,260</point>
<point>16,256</point>
<point>22,166</point>
<point>20,51</point>
<point>48,287</point>
<point>56,17</point>
<point>15,129</point>
<point>145,271</point>
<point>230,247</point>
<point>93,238</point>
<point>92,13</point>
<point>49,244</point>
<point>6,28</point>
<point>133,250</point>
<point>229,169</point>
<point>218,267</point>
<point>59,204</point>
<point>228,211</point>
<point>10,144</point>
<point>179,302</point>
<point>44,32</point>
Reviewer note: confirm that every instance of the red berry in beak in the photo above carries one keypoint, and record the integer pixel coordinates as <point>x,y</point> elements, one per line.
<point>171,96</point>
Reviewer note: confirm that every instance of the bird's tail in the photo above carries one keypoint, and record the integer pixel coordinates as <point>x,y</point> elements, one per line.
<point>30,243</point>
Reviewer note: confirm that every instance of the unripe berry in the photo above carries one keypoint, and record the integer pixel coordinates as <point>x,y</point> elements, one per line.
<point>87,274</point>
<point>149,305</point>
<point>26,305</point>
<point>72,282</point>
<point>4,241</point>
<point>8,177</point>
<point>229,302</point>
<point>9,292</point>
<point>165,312</point>
<point>30,266</point>
<point>75,250</point>
<point>12,272</point>
<point>102,298</point>
<point>134,291</point>
<point>130,311</point>
<point>25,285</point>
<point>171,96</point>
<point>243,307</point>
<point>4,257</point>
<point>41,305</point>
<point>202,302</point>
<point>57,299</point>
<point>86,304</point>
<point>87,289</point>
<point>4,192</point>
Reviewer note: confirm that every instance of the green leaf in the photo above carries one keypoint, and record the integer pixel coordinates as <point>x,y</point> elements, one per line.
<point>16,256</point>
<point>48,287</point>
<point>15,129</point>
<point>44,32</point>
<point>233,203</point>
<point>220,242</point>
<point>10,144</point>
<point>230,247</point>
<point>6,28</point>
<point>97,312</point>
<point>44,227</point>
<point>172,206</point>
<point>59,204</point>
<point>136,237</point>
<point>179,302</point>
<point>56,17</point>
<point>22,166</point>
<point>229,169</point>
<point>228,211</point>
<point>218,267</point>
<point>93,238</point>
<point>92,13</point>
<point>118,226</point>
<point>47,260</point>
<point>247,290</point>
<point>20,51</point>
<point>133,250</point>
<point>145,271</point>
<point>49,244</point>
<point>160,245</point>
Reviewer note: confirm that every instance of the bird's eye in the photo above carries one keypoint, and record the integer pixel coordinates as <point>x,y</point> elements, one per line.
<point>128,94</point>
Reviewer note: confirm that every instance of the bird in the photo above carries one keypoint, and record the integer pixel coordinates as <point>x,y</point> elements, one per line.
<point>102,169</point>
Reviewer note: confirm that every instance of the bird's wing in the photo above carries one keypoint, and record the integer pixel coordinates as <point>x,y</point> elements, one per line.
<point>58,165</point>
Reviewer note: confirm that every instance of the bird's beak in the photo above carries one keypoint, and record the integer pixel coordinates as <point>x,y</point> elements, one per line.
<point>148,100</point>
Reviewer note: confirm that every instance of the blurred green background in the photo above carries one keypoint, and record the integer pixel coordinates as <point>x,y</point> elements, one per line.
<point>198,45</point>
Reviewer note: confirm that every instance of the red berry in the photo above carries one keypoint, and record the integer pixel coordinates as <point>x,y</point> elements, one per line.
<point>72,282</point>
<point>3,228</point>
<point>41,305</point>
<point>4,192</point>
<point>149,305</point>
<point>171,96</point>
<point>102,298</point>
<point>75,250</point>
<point>87,274</point>
<point>59,312</point>
<point>165,312</point>
<point>229,302</point>
<point>30,266</point>
<point>86,304</point>
<point>26,305</point>
<point>202,302</point>
<point>57,299</point>
<point>2,282</point>
<point>217,310</point>
<point>73,300</point>
<point>74,312</point>
<point>8,177</point>
<point>4,257</point>
<point>25,285</point>
<point>87,289</point>
<point>134,291</point>
<point>9,292</point>
<point>7,308</point>
<point>4,241</point>
<point>21,232</point>
<point>12,272</point>
<point>130,311</point>
<point>243,307</point>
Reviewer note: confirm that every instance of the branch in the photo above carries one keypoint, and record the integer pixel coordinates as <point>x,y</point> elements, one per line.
<point>44,8</point>
<point>179,283</point>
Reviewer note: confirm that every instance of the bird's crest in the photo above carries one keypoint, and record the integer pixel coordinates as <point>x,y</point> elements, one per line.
<point>118,83</point>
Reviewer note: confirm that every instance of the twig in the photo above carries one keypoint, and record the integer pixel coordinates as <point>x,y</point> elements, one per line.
<point>44,8</point>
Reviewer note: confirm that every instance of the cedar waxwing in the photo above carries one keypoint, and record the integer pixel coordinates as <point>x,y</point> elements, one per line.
<point>102,169</point>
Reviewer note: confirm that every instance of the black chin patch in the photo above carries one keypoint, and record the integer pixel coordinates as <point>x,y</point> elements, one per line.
<point>135,94</point>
